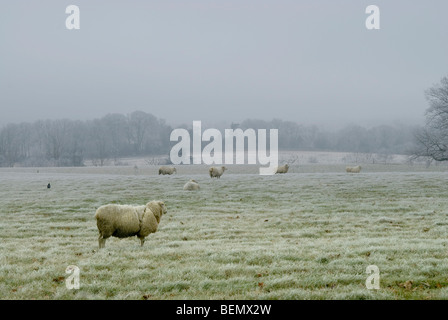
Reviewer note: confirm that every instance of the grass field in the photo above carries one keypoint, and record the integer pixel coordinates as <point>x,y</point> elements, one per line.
<point>308,234</point>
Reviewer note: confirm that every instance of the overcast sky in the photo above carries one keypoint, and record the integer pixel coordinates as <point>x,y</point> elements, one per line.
<point>308,61</point>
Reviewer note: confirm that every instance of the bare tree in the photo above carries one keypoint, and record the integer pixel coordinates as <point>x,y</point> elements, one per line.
<point>10,145</point>
<point>115,128</point>
<point>432,141</point>
<point>138,124</point>
<point>55,138</point>
<point>100,141</point>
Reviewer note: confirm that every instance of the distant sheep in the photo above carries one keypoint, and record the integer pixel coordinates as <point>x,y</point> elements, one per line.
<point>216,172</point>
<point>167,170</point>
<point>356,169</point>
<point>124,221</point>
<point>282,169</point>
<point>191,185</point>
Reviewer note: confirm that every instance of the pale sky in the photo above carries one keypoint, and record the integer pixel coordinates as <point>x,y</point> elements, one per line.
<point>308,61</point>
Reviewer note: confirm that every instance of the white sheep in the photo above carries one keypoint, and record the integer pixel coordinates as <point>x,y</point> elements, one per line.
<point>282,169</point>
<point>167,170</point>
<point>124,221</point>
<point>216,172</point>
<point>356,169</point>
<point>191,185</point>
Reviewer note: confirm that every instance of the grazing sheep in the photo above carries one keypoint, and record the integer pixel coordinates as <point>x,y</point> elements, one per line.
<point>356,169</point>
<point>216,172</point>
<point>282,169</point>
<point>124,221</point>
<point>191,185</point>
<point>167,170</point>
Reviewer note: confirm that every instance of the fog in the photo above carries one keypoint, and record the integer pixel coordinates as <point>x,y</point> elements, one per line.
<point>311,62</point>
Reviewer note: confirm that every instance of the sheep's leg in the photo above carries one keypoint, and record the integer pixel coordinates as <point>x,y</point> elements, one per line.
<point>142,241</point>
<point>101,241</point>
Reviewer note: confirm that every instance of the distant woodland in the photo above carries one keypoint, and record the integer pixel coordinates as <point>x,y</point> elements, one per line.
<point>71,142</point>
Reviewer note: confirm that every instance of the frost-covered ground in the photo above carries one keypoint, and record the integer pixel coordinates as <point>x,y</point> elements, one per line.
<point>308,234</point>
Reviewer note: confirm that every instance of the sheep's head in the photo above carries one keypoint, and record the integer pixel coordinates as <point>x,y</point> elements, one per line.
<point>223,169</point>
<point>287,166</point>
<point>158,208</point>
<point>191,180</point>
<point>162,206</point>
<point>174,170</point>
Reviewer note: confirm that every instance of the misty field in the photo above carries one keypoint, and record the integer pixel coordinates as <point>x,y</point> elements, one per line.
<point>308,234</point>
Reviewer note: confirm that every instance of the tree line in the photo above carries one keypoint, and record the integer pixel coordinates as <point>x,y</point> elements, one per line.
<point>71,142</point>
<point>382,139</point>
